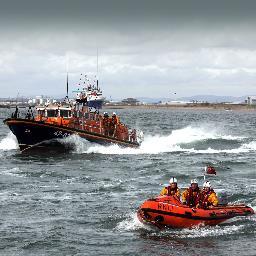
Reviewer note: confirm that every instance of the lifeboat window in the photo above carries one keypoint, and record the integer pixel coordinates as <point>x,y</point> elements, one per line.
<point>41,112</point>
<point>64,113</point>
<point>52,113</point>
<point>91,116</point>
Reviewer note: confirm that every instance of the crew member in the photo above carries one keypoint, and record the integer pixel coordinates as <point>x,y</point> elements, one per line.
<point>16,113</point>
<point>106,123</point>
<point>29,114</point>
<point>208,197</point>
<point>112,124</point>
<point>190,196</point>
<point>172,189</point>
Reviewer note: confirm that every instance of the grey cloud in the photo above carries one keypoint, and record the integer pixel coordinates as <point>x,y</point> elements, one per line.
<point>142,14</point>
<point>147,48</point>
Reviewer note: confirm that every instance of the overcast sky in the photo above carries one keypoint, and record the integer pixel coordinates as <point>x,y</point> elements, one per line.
<point>146,48</point>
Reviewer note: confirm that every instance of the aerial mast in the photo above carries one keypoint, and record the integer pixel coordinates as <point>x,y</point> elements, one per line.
<point>67,84</point>
<point>67,77</point>
<point>97,68</point>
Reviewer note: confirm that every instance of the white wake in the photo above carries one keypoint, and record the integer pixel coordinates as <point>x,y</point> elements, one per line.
<point>157,144</point>
<point>9,142</point>
<point>173,142</point>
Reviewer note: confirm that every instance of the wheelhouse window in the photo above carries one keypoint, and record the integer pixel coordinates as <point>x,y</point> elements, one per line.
<point>52,112</point>
<point>65,113</point>
<point>41,112</point>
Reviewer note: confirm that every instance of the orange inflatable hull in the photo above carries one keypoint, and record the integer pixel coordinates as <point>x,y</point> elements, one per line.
<point>168,211</point>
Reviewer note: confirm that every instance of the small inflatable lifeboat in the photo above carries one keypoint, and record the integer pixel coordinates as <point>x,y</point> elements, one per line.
<point>168,211</point>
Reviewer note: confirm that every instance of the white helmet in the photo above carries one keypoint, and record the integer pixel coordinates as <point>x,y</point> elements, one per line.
<point>173,180</point>
<point>194,181</point>
<point>114,114</point>
<point>207,184</point>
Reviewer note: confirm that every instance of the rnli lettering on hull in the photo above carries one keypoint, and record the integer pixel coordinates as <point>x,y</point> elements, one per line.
<point>61,134</point>
<point>164,207</point>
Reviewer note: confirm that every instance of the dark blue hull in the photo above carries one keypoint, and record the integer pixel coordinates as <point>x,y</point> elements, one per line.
<point>97,104</point>
<point>30,133</point>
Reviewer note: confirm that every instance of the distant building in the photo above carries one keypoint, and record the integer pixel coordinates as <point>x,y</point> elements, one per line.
<point>251,100</point>
<point>38,100</point>
<point>130,101</point>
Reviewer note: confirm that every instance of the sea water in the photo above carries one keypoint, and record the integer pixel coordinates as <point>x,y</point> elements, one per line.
<point>84,202</point>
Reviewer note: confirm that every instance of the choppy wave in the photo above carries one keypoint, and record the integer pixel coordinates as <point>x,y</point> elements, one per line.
<point>12,172</point>
<point>207,231</point>
<point>131,223</point>
<point>175,142</point>
<point>9,142</point>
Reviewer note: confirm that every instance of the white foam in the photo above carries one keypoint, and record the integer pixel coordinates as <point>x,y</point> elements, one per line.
<point>173,142</point>
<point>207,231</point>
<point>156,144</point>
<point>218,151</point>
<point>9,142</point>
<point>16,172</point>
<point>192,134</point>
<point>130,224</point>
<point>249,146</point>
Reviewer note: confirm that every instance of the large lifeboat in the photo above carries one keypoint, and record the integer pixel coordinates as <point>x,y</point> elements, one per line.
<point>168,211</point>
<point>53,121</point>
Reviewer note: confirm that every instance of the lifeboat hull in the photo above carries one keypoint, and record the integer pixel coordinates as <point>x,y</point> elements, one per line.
<point>167,211</point>
<point>36,134</point>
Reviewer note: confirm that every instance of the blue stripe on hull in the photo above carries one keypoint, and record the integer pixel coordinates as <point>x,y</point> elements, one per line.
<point>95,104</point>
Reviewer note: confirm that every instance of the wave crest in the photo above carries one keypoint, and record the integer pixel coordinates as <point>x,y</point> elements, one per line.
<point>9,142</point>
<point>173,142</point>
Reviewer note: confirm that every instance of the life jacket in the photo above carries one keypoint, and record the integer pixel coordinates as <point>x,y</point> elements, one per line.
<point>113,122</point>
<point>204,197</point>
<point>105,121</point>
<point>193,197</point>
<point>171,191</point>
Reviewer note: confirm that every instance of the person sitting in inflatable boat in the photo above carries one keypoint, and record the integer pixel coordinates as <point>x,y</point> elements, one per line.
<point>191,195</point>
<point>172,189</point>
<point>208,197</point>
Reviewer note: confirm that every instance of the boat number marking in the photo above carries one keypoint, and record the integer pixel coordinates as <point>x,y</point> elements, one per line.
<point>165,207</point>
<point>60,134</point>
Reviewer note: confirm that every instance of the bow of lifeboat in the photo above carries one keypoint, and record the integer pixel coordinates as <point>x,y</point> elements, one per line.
<point>168,211</point>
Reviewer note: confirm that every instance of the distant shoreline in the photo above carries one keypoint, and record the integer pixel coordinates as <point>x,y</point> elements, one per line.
<point>229,107</point>
<point>203,106</point>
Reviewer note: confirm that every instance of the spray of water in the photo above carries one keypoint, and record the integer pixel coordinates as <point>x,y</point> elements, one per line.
<point>173,142</point>
<point>156,144</point>
<point>9,142</point>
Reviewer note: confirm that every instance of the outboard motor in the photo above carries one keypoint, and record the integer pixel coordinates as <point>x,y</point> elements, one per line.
<point>140,136</point>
